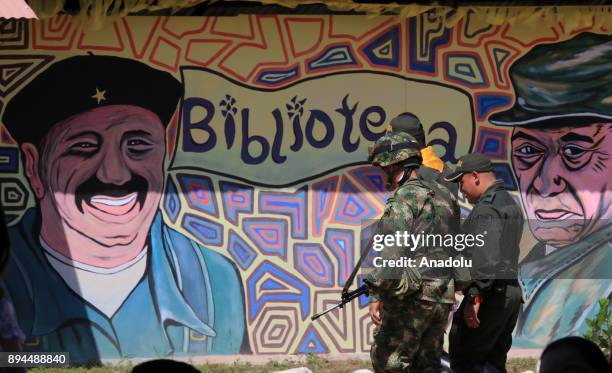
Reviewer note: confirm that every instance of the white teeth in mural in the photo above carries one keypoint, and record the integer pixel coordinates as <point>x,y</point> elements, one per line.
<point>553,214</point>
<point>112,201</point>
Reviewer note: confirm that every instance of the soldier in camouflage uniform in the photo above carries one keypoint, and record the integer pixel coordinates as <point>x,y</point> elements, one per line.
<point>409,306</point>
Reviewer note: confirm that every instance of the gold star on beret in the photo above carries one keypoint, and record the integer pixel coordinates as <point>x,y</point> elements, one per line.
<point>99,95</point>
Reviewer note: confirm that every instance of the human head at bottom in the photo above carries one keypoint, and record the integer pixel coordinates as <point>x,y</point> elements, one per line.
<point>164,365</point>
<point>573,355</point>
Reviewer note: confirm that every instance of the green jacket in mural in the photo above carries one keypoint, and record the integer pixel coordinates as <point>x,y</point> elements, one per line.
<point>561,289</point>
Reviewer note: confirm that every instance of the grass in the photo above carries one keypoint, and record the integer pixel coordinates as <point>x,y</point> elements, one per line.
<point>313,362</point>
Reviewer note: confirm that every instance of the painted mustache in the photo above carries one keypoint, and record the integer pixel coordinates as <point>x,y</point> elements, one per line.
<point>95,193</point>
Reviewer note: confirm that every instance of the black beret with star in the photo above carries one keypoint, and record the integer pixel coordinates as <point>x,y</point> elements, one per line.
<point>82,83</point>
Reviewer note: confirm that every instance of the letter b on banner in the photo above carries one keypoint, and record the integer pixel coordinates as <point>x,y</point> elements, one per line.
<point>198,137</point>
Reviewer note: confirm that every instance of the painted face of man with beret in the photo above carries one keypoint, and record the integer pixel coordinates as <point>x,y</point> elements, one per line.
<point>95,158</point>
<point>103,167</point>
<point>107,275</point>
<point>562,158</point>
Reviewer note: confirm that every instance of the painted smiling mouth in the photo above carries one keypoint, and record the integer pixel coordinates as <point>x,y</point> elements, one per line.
<point>102,199</point>
<point>555,214</point>
<point>114,205</point>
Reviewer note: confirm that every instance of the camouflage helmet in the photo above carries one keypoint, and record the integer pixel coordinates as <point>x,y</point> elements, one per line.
<point>395,147</point>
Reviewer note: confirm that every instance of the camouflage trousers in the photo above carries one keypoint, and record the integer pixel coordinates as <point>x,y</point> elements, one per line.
<point>410,338</point>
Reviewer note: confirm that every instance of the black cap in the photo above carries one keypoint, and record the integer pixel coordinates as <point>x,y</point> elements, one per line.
<point>566,83</point>
<point>472,162</point>
<point>409,123</point>
<point>82,83</point>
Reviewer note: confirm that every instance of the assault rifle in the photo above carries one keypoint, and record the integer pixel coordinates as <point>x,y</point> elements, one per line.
<point>347,296</point>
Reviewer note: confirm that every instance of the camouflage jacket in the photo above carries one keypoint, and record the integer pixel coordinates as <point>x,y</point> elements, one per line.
<point>416,207</point>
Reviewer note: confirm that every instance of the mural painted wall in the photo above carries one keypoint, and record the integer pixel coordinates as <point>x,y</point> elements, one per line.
<point>197,185</point>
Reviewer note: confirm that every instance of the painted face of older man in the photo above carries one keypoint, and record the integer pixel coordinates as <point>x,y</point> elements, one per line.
<point>564,176</point>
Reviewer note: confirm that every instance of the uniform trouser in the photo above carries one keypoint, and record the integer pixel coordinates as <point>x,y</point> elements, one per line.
<point>471,350</point>
<point>410,337</point>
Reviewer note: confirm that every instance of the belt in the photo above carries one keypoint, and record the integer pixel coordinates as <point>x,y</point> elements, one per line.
<point>511,282</point>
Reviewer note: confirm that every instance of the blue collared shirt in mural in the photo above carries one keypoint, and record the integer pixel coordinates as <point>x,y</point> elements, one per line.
<point>561,289</point>
<point>189,301</point>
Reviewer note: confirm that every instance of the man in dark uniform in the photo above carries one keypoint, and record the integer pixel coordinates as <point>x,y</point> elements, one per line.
<point>481,334</point>
<point>433,168</point>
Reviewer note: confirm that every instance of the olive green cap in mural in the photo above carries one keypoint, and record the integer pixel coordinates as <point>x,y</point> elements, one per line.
<point>568,82</point>
<point>395,147</point>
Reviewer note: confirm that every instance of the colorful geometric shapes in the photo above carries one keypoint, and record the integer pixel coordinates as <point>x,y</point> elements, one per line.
<point>493,142</point>
<point>199,192</point>
<point>342,244</point>
<point>339,325</point>
<point>242,253</point>
<point>294,290</point>
<point>178,28</point>
<point>426,35</point>
<point>14,34</point>
<point>208,232</point>
<point>268,234</point>
<point>324,192</point>
<point>304,34</point>
<point>529,34</point>
<point>271,284</point>
<point>165,54</point>
<point>275,330</point>
<point>500,57</point>
<point>474,29</point>
<point>14,194</point>
<point>372,179</point>
<point>106,40</point>
<point>312,343</point>
<point>275,77</point>
<point>16,69</point>
<point>314,264</point>
<point>293,205</point>
<point>9,159</point>
<point>55,33</point>
<point>237,199</point>
<point>204,51</point>
<point>235,27</point>
<point>139,32</point>
<point>465,68</point>
<point>245,58</point>
<point>503,172</point>
<point>172,202</point>
<point>334,56</point>
<point>384,50</point>
<point>489,102</point>
<point>352,208</point>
